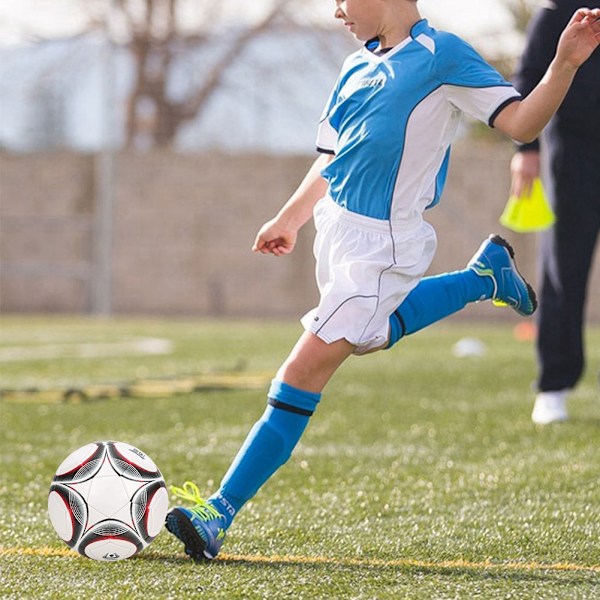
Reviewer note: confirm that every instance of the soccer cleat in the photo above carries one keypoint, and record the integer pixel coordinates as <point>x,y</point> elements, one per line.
<point>200,528</point>
<point>495,259</point>
<point>550,407</point>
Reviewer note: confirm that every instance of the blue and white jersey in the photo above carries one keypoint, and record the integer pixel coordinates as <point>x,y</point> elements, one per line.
<point>391,118</point>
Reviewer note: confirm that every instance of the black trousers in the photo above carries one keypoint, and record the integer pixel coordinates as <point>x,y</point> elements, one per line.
<point>572,182</point>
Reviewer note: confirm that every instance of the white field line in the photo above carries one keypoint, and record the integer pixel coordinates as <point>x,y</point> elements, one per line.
<point>87,350</point>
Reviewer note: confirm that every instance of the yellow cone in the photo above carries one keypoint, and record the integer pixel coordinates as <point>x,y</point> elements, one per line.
<point>529,212</point>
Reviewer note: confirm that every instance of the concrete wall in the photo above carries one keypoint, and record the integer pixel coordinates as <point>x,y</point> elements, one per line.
<point>184,225</point>
<point>46,208</point>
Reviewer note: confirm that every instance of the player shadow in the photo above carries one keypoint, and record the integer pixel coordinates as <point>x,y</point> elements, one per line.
<point>496,572</point>
<point>481,573</point>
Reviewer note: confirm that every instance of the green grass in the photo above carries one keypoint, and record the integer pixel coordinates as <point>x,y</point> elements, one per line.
<point>420,475</point>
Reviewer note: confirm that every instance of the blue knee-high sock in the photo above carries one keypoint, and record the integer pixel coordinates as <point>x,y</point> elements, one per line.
<point>435,298</point>
<point>268,446</point>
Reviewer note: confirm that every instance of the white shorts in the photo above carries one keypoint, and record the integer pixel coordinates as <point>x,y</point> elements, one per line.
<point>365,269</point>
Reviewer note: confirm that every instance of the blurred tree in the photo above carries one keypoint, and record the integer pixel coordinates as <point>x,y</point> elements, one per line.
<point>521,12</point>
<point>158,32</point>
<point>155,31</point>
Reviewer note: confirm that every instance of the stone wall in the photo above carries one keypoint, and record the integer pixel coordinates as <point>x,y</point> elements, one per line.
<point>184,225</point>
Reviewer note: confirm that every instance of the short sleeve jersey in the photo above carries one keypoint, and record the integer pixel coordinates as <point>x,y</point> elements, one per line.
<point>391,118</point>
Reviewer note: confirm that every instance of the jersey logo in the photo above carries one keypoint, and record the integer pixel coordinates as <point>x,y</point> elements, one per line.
<point>360,84</point>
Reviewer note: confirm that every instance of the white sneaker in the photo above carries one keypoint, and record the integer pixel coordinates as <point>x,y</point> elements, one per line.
<point>550,407</point>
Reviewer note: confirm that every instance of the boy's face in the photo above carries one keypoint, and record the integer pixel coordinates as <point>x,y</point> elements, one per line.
<point>361,17</point>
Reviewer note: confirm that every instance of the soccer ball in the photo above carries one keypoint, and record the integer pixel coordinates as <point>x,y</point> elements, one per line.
<point>108,500</point>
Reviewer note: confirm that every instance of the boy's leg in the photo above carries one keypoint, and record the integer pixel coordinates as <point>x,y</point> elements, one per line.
<point>490,274</point>
<point>292,399</point>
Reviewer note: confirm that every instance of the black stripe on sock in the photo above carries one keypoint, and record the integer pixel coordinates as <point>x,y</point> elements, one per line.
<point>402,324</point>
<point>289,408</point>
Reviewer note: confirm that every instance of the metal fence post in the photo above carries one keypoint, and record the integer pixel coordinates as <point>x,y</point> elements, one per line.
<point>104,188</point>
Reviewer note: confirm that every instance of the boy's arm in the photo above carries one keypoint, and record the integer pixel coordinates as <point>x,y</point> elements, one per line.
<point>524,120</point>
<point>278,236</point>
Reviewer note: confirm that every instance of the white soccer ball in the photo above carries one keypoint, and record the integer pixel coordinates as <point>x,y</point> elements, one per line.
<point>108,500</point>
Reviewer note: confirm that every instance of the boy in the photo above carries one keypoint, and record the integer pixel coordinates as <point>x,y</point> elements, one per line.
<point>384,140</point>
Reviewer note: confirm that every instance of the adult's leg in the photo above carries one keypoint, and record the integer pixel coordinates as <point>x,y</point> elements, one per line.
<point>566,252</point>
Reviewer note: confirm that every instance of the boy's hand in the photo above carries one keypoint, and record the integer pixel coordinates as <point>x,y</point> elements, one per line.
<point>580,37</point>
<point>274,239</point>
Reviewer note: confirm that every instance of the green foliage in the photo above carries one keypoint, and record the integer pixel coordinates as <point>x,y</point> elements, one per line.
<point>420,475</point>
